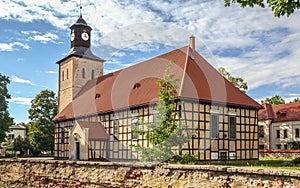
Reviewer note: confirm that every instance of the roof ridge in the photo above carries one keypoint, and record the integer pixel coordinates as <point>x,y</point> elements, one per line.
<point>184,70</point>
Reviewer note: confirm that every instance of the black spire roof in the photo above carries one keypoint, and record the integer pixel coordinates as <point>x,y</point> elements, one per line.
<point>80,21</point>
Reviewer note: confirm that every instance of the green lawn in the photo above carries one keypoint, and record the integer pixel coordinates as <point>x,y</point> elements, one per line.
<point>266,163</point>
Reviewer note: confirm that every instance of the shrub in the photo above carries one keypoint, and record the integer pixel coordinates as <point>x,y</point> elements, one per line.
<point>296,160</point>
<point>184,159</point>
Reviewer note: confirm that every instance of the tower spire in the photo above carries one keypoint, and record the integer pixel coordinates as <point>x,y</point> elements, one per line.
<point>80,10</point>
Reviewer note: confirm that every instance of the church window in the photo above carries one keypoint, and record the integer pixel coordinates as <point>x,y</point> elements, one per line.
<point>67,73</point>
<point>214,125</point>
<point>62,134</point>
<point>63,75</point>
<point>116,126</point>
<point>93,74</point>
<point>232,127</point>
<point>83,72</point>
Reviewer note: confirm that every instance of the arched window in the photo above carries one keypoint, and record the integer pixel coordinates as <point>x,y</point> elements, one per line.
<point>93,74</point>
<point>67,73</point>
<point>83,73</point>
<point>63,75</point>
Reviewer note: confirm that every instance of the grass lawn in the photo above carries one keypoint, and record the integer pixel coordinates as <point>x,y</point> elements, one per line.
<point>266,163</point>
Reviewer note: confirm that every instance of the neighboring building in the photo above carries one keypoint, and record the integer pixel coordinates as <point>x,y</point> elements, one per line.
<point>96,112</point>
<point>15,131</point>
<point>279,125</point>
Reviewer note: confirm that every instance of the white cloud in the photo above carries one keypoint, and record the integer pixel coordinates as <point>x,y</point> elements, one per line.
<point>12,46</point>
<point>51,72</point>
<point>21,100</point>
<point>266,48</point>
<point>48,37</point>
<point>20,80</point>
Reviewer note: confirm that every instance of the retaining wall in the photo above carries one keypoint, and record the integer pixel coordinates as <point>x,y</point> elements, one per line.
<point>277,153</point>
<point>52,173</point>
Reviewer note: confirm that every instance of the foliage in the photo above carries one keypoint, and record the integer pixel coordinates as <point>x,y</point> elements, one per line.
<point>296,160</point>
<point>41,129</point>
<point>169,133</point>
<point>5,120</point>
<point>295,145</point>
<point>184,159</point>
<point>266,163</point>
<point>276,100</point>
<point>9,148</point>
<point>21,144</point>
<point>296,99</point>
<point>238,82</point>
<point>279,7</point>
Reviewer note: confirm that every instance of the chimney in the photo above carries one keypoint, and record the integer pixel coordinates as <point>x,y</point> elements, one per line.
<point>192,42</point>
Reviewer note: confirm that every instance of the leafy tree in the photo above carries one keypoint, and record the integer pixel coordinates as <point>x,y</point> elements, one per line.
<point>296,99</point>
<point>9,148</point>
<point>169,133</point>
<point>238,82</point>
<point>5,120</point>
<point>41,129</point>
<point>21,144</point>
<point>276,100</point>
<point>279,7</point>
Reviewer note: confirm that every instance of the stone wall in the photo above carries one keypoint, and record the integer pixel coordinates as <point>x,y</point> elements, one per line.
<point>279,153</point>
<point>51,173</point>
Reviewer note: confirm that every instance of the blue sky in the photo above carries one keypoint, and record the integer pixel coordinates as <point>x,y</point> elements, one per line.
<point>249,42</point>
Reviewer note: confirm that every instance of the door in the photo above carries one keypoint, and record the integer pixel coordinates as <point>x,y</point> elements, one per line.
<point>77,150</point>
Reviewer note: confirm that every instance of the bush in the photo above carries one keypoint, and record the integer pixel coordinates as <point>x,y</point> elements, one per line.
<point>184,159</point>
<point>296,160</point>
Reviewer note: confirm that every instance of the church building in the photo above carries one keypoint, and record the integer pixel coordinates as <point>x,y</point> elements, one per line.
<point>97,112</point>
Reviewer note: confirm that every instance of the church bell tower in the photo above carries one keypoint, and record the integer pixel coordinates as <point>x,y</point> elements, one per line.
<point>80,64</point>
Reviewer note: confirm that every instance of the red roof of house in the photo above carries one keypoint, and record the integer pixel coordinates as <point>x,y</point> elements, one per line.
<point>96,129</point>
<point>136,85</point>
<point>280,113</point>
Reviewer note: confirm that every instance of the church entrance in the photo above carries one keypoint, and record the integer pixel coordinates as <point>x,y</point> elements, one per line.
<point>77,150</point>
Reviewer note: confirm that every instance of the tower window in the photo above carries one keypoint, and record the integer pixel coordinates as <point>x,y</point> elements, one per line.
<point>83,72</point>
<point>93,74</point>
<point>63,75</point>
<point>67,74</point>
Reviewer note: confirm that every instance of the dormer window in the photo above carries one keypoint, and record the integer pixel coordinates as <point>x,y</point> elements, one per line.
<point>280,114</point>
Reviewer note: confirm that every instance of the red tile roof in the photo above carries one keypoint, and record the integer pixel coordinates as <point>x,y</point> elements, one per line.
<point>136,85</point>
<point>96,129</point>
<point>280,113</point>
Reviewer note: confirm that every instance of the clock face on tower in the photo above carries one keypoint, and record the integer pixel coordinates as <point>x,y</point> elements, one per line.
<point>85,36</point>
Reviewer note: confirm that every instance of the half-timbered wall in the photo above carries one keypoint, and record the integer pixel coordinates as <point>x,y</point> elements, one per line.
<point>219,132</point>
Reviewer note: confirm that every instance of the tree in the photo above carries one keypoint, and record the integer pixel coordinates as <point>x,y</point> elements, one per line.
<point>276,100</point>
<point>169,133</point>
<point>279,7</point>
<point>5,120</point>
<point>21,144</point>
<point>238,82</point>
<point>41,129</point>
<point>296,99</point>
